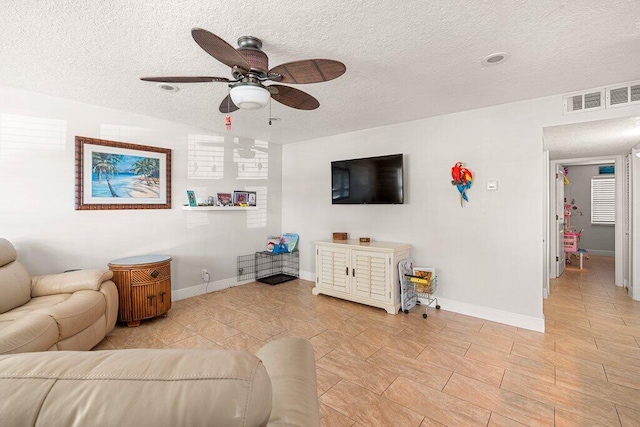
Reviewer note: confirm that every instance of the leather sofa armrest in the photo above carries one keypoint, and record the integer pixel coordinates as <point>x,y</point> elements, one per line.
<point>70,282</point>
<point>291,365</point>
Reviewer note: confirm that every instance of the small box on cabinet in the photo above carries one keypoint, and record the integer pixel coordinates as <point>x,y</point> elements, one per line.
<point>340,236</point>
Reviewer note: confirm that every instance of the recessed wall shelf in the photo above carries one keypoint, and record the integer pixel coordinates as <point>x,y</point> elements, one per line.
<point>220,208</point>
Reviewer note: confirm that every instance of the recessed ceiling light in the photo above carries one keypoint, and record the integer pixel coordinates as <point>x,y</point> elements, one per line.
<point>167,87</point>
<point>495,58</point>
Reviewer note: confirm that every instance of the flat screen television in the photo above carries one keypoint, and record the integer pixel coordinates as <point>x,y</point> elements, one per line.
<point>371,180</point>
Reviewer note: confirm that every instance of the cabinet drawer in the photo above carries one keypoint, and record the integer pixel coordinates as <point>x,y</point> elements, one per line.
<point>151,274</point>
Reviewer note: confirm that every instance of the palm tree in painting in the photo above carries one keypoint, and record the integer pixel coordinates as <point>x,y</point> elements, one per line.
<point>154,169</point>
<point>105,164</point>
<point>147,167</point>
<point>140,168</point>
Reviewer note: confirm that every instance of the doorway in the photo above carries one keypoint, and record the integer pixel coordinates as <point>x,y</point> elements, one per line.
<point>563,201</point>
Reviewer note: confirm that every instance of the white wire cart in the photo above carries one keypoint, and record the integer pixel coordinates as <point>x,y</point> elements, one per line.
<point>417,282</point>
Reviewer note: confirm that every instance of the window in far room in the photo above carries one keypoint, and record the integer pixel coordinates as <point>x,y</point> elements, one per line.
<point>603,200</point>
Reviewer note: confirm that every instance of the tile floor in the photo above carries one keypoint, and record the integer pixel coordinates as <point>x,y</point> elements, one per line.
<point>376,369</point>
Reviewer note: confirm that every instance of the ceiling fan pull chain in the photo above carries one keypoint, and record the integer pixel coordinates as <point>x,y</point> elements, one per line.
<point>269,111</point>
<point>227,119</point>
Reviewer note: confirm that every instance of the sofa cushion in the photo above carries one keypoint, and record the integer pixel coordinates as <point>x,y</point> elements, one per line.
<point>153,388</point>
<point>30,332</point>
<point>33,305</point>
<point>74,314</point>
<point>87,338</point>
<point>15,286</point>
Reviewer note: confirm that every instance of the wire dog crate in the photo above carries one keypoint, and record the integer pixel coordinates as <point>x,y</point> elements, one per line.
<point>276,268</point>
<point>246,267</point>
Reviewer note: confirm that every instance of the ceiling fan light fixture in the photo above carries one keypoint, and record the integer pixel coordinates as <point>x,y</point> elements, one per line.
<point>250,97</point>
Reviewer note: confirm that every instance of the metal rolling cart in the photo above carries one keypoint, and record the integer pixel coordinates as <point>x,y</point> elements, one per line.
<point>408,297</point>
<point>420,283</point>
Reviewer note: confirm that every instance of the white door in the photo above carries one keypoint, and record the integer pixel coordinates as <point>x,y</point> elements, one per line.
<point>560,258</point>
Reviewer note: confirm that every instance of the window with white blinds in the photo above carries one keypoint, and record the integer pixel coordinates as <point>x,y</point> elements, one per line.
<point>603,200</point>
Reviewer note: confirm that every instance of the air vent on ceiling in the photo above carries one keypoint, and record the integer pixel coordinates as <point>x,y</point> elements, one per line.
<point>590,100</point>
<point>623,94</point>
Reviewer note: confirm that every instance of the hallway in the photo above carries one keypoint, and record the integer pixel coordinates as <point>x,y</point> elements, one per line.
<point>594,320</point>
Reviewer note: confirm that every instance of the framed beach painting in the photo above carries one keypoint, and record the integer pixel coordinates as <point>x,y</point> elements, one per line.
<point>119,175</point>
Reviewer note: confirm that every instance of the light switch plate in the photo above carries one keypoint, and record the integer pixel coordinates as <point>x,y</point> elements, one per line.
<point>492,185</point>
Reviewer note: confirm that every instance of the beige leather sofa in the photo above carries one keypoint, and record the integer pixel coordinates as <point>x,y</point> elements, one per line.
<point>151,387</point>
<point>66,311</point>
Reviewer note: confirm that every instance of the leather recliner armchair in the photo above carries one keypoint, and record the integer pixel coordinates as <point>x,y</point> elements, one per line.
<point>65,311</point>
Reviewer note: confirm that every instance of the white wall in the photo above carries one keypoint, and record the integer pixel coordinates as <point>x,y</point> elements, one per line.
<point>37,190</point>
<point>488,255</point>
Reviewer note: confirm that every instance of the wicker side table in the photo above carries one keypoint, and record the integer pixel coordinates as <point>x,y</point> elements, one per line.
<point>144,287</point>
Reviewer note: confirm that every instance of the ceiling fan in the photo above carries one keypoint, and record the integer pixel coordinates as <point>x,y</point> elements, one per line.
<point>250,70</point>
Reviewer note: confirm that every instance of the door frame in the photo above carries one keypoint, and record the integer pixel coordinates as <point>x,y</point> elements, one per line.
<point>634,167</point>
<point>545,228</point>
<point>618,160</point>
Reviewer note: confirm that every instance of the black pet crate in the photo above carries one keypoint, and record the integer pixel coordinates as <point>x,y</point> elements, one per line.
<point>276,268</point>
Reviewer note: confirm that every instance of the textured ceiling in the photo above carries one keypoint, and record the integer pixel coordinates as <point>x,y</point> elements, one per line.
<point>405,60</point>
<point>593,139</point>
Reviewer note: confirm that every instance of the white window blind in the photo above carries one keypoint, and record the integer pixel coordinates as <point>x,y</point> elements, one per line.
<point>603,200</point>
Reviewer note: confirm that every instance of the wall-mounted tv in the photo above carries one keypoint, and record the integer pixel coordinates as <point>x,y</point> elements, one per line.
<point>371,180</point>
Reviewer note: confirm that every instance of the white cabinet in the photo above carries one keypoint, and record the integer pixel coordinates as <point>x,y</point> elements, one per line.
<point>363,273</point>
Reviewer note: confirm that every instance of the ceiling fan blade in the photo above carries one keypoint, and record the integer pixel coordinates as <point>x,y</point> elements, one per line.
<point>219,49</point>
<point>227,105</point>
<point>309,71</point>
<point>293,98</point>
<point>185,79</point>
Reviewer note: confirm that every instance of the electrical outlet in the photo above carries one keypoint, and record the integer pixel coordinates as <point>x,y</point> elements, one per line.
<point>205,275</point>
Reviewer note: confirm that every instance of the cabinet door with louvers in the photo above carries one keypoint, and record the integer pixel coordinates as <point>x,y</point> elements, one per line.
<point>370,275</point>
<point>332,269</point>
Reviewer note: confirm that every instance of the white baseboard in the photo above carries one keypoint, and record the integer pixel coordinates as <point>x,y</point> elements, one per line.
<point>203,288</point>
<point>513,319</point>
<point>306,275</point>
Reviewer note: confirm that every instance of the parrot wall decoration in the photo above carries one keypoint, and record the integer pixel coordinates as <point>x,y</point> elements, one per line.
<point>462,179</point>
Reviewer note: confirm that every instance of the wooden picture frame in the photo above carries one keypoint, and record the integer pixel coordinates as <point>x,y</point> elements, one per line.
<point>224,199</point>
<point>118,175</point>
<point>191,198</point>
<point>240,198</point>
<point>251,198</point>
